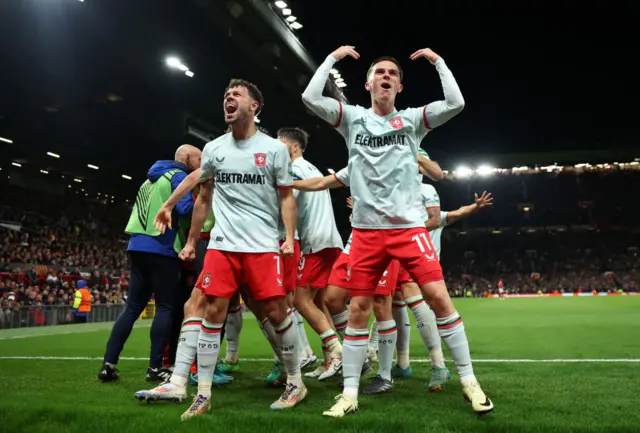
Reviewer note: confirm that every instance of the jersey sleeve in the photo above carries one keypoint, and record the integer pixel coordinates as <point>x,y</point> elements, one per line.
<point>342,176</point>
<point>328,109</point>
<point>297,174</point>
<point>443,219</point>
<point>283,169</point>
<point>206,163</point>
<point>430,197</point>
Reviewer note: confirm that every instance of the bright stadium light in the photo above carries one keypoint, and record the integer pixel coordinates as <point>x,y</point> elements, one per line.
<point>336,76</point>
<point>286,12</point>
<point>334,71</point>
<point>176,63</point>
<point>339,80</point>
<point>6,140</point>
<point>463,171</point>
<point>54,155</point>
<point>95,167</point>
<point>189,74</point>
<point>77,180</point>
<point>280,4</point>
<point>16,164</point>
<point>296,26</point>
<point>124,176</point>
<point>341,84</point>
<point>485,170</point>
<point>331,170</point>
<point>44,172</point>
<point>291,18</point>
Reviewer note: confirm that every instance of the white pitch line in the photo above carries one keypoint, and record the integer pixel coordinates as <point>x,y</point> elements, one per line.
<point>420,361</point>
<point>53,334</point>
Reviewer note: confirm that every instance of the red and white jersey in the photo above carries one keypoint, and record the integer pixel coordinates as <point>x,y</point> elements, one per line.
<point>246,203</point>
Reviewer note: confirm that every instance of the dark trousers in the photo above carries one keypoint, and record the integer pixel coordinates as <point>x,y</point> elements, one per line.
<point>151,274</point>
<point>80,319</point>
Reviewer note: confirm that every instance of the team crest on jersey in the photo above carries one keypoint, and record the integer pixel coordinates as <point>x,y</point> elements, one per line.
<point>396,122</point>
<point>261,159</point>
<point>206,281</point>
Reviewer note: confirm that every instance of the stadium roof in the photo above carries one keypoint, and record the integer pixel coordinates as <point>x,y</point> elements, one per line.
<point>88,80</point>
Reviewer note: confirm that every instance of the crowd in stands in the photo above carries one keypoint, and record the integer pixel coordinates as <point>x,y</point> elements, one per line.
<point>545,232</point>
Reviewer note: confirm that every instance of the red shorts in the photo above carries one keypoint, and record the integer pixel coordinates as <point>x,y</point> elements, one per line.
<point>225,271</point>
<point>315,268</point>
<point>290,268</point>
<point>403,277</point>
<point>373,250</point>
<point>386,286</point>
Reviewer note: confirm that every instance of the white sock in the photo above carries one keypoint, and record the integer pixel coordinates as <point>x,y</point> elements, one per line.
<point>401,316</point>
<point>208,350</point>
<point>426,324</point>
<point>387,337</point>
<point>452,332</point>
<point>302,332</point>
<point>373,336</point>
<point>354,352</point>
<point>232,332</point>
<point>288,339</point>
<point>340,322</point>
<point>330,341</point>
<point>187,348</point>
<point>270,334</point>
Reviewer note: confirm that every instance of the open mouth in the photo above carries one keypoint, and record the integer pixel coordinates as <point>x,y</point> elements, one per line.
<point>386,86</point>
<point>231,108</point>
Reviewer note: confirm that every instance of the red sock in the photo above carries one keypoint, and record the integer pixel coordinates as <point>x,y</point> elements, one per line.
<point>194,367</point>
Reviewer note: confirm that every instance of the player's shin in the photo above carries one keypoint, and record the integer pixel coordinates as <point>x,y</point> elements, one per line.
<point>208,350</point>
<point>452,331</point>
<point>288,339</point>
<point>354,353</point>
<point>305,347</point>
<point>426,324</point>
<point>187,348</point>
<point>233,328</point>
<point>401,316</point>
<point>340,322</point>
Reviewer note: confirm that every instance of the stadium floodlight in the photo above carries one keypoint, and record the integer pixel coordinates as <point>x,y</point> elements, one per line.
<point>280,4</point>
<point>125,176</point>
<point>339,80</point>
<point>296,25</point>
<point>341,84</point>
<point>334,71</point>
<point>286,12</point>
<point>331,170</point>
<point>77,180</point>
<point>54,155</point>
<point>291,18</point>
<point>95,167</point>
<point>6,140</point>
<point>16,164</point>
<point>255,119</point>
<point>189,73</point>
<point>336,76</point>
<point>485,170</point>
<point>176,63</point>
<point>44,172</point>
<point>463,171</point>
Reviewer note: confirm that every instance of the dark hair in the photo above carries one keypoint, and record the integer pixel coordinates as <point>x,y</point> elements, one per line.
<point>253,90</point>
<point>388,59</point>
<point>295,134</point>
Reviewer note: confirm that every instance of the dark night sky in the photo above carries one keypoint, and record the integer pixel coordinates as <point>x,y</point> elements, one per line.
<point>536,76</point>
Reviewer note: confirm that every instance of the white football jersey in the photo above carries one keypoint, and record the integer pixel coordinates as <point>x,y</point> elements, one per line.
<point>247,176</point>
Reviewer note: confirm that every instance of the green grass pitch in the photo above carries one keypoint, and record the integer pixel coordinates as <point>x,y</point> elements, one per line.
<point>549,364</point>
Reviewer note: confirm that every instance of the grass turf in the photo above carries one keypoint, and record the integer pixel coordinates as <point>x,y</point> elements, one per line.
<point>45,395</point>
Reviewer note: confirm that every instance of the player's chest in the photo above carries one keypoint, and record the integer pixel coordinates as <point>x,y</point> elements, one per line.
<point>242,167</point>
<point>370,132</point>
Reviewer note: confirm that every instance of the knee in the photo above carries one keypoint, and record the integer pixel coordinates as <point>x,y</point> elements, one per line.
<point>382,308</point>
<point>359,311</point>
<point>438,299</point>
<point>274,310</point>
<point>334,302</point>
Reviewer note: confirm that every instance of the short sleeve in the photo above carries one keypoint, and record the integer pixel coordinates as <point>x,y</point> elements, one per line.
<point>342,176</point>
<point>430,197</point>
<point>283,170</point>
<point>443,219</point>
<point>206,164</point>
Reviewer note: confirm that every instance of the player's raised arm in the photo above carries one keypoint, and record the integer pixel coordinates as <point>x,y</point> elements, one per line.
<point>439,112</point>
<point>484,201</point>
<point>324,107</point>
<point>428,167</point>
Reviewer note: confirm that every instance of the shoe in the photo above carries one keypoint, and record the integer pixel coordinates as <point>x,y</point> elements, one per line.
<point>158,374</point>
<point>292,395</point>
<point>317,372</point>
<point>166,391</point>
<point>396,371</point>
<point>200,406</point>
<point>227,367</point>
<point>479,401</point>
<point>334,367</point>
<point>308,361</point>
<point>108,373</point>
<point>343,406</point>
<point>439,378</point>
<point>378,385</point>
<point>276,378</point>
